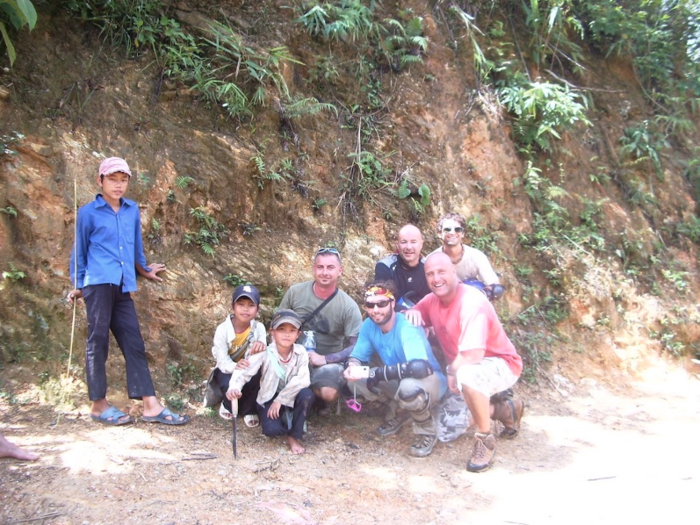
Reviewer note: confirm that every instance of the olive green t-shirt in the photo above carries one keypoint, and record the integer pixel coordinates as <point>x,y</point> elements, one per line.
<point>338,321</point>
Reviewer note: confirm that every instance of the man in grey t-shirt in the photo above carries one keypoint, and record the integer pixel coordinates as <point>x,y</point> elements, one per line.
<point>335,326</point>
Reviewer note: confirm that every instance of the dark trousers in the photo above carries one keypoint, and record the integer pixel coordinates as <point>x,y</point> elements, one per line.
<point>108,308</point>
<point>278,427</point>
<point>247,403</point>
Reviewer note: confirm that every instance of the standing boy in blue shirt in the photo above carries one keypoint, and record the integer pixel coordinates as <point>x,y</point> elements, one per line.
<point>107,254</point>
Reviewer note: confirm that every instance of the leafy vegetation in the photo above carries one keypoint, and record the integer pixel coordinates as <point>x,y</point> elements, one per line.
<point>183,181</point>
<point>10,211</point>
<point>251,69</point>
<point>210,231</point>
<point>17,13</point>
<point>690,229</point>
<point>235,280</point>
<point>221,67</point>
<point>13,274</point>
<point>528,58</point>
<point>181,373</point>
<point>542,111</point>
<point>642,143</point>
<point>7,141</point>
<point>399,42</point>
<point>341,20</point>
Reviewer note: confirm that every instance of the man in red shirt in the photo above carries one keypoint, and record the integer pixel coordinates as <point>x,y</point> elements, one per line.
<point>481,359</point>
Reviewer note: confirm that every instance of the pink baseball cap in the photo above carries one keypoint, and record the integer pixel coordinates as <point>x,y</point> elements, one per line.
<point>114,165</point>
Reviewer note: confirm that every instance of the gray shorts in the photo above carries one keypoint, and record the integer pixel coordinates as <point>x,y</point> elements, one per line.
<point>489,376</point>
<point>328,376</point>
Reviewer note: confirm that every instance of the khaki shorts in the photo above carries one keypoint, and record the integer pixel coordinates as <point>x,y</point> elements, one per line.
<point>489,376</point>
<point>328,376</point>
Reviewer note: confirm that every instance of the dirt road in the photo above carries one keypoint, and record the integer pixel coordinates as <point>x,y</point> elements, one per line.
<point>588,453</point>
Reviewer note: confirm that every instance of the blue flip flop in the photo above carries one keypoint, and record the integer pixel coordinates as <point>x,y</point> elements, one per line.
<point>177,419</point>
<point>112,416</point>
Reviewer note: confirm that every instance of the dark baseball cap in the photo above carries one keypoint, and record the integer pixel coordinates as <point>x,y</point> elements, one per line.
<point>285,316</point>
<point>249,291</point>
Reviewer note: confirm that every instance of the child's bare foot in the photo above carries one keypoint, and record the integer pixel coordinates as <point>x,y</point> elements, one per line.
<point>9,450</point>
<point>295,446</point>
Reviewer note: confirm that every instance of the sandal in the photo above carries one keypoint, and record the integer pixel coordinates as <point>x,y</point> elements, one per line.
<point>224,413</point>
<point>251,420</point>
<point>112,416</point>
<point>162,418</point>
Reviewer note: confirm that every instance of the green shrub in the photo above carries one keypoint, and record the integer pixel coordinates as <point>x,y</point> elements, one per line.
<point>9,210</point>
<point>553,27</point>
<point>339,20</point>
<point>660,38</point>
<point>18,13</point>
<point>404,44</point>
<point>256,70</point>
<point>235,280</point>
<point>690,229</point>
<point>643,143</point>
<point>7,141</point>
<point>13,274</point>
<point>209,234</point>
<point>541,111</point>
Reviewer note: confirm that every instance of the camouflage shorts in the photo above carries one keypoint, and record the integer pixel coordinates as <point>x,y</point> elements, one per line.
<point>452,417</point>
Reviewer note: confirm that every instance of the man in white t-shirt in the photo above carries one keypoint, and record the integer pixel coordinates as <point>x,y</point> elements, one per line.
<point>471,264</point>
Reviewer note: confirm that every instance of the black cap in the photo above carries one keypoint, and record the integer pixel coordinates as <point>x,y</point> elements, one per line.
<point>285,316</point>
<point>249,291</point>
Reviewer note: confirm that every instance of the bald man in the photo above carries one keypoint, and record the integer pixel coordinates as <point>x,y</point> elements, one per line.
<point>405,267</point>
<point>481,359</point>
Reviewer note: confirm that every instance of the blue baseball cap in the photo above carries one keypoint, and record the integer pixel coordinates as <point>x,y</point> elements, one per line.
<point>249,291</point>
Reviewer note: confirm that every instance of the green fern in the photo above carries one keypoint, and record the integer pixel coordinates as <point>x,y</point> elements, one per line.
<point>307,106</point>
<point>183,181</point>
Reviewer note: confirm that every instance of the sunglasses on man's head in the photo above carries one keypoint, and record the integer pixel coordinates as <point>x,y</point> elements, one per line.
<point>457,229</point>
<point>322,251</point>
<point>380,304</point>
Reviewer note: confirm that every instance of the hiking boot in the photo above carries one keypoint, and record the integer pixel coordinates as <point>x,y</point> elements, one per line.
<point>375,408</point>
<point>423,445</point>
<point>392,426</point>
<point>509,413</point>
<point>504,395</point>
<point>483,453</point>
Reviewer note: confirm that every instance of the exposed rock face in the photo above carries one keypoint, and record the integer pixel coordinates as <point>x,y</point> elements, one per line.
<point>75,104</point>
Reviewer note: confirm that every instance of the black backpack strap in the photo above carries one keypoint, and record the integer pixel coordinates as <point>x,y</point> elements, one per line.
<point>308,318</point>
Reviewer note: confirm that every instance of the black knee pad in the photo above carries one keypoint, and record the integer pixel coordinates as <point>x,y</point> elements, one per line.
<point>414,400</point>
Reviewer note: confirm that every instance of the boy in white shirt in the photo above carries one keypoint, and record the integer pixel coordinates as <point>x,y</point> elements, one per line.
<point>236,339</point>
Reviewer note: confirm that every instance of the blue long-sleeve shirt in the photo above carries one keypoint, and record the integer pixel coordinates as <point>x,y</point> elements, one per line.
<point>108,245</point>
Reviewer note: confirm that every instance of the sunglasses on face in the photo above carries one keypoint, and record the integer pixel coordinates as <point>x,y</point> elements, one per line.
<point>456,229</point>
<point>380,304</point>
